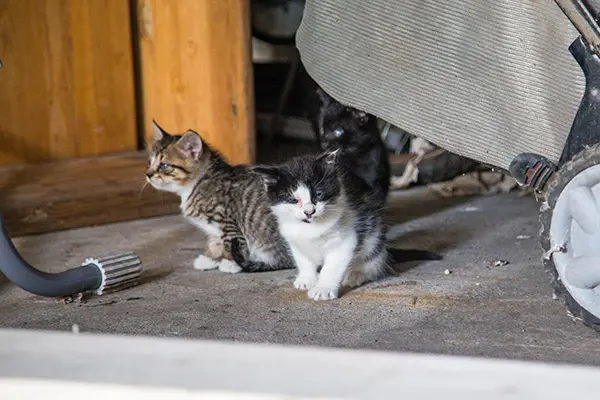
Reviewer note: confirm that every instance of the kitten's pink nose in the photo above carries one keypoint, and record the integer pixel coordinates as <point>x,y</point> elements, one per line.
<point>309,213</point>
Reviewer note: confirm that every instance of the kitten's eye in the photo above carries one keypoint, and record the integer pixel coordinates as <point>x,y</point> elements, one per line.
<point>338,132</point>
<point>319,195</point>
<point>292,200</point>
<point>162,166</point>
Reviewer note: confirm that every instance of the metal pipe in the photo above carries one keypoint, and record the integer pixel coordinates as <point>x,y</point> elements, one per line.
<point>580,15</point>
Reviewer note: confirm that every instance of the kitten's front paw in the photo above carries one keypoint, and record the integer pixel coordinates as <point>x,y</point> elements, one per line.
<point>204,263</point>
<point>229,266</point>
<point>215,248</point>
<point>354,279</point>
<point>305,282</point>
<point>323,293</point>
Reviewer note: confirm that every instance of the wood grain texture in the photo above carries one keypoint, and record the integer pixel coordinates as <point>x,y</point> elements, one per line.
<point>66,88</point>
<point>80,192</point>
<point>196,71</point>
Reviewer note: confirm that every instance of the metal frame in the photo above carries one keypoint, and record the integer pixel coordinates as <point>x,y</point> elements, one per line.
<point>585,130</point>
<point>534,170</point>
<point>580,15</point>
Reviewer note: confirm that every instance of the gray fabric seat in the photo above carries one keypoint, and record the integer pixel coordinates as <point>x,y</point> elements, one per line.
<point>484,79</point>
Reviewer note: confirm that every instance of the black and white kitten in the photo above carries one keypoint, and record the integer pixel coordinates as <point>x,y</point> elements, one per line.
<point>325,215</point>
<point>355,135</point>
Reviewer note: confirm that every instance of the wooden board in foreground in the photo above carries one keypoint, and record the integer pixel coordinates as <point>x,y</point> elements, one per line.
<point>38,198</point>
<point>48,365</point>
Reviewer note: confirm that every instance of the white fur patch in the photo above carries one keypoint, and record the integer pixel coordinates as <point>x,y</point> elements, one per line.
<point>317,238</point>
<point>303,194</point>
<point>258,254</point>
<point>229,266</point>
<point>323,293</point>
<point>329,241</point>
<point>305,281</point>
<point>184,192</point>
<point>211,229</point>
<point>302,209</point>
<point>338,261</point>
<point>204,263</point>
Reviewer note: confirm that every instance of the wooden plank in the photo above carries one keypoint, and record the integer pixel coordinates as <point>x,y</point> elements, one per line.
<point>38,364</point>
<point>196,71</point>
<point>79,192</point>
<point>66,87</point>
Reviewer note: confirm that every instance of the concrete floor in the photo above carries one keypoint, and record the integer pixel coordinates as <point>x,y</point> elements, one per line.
<point>476,310</point>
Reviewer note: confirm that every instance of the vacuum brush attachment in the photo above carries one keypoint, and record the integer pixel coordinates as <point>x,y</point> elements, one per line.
<point>118,272</point>
<point>99,275</point>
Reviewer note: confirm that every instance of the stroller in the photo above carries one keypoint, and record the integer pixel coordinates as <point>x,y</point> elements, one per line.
<point>511,84</point>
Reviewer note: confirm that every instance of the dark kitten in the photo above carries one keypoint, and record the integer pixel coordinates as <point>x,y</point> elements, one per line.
<point>363,154</point>
<point>356,134</point>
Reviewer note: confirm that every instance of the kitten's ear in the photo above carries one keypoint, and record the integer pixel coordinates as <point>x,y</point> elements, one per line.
<point>269,175</point>
<point>323,97</point>
<point>361,116</point>
<point>191,145</point>
<point>157,131</point>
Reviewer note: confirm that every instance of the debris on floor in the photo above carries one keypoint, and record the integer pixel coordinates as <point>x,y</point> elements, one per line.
<point>75,298</point>
<point>558,248</point>
<point>420,147</point>
<point>447,272</point>
<point>478,182</point>
<point>496,263</point>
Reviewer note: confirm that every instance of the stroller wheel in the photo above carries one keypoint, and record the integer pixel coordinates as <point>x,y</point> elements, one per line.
<point>570,235</point>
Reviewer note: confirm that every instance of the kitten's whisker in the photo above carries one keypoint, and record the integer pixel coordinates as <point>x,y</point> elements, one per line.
<point>142,189</point>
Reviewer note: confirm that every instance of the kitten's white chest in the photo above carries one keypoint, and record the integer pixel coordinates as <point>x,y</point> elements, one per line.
<point>210,228</point>
<point>315,241</point>
<point>316,249</point>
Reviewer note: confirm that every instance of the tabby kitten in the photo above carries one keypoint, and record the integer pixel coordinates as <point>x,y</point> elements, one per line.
<point>324,213</point>
<point>228,203</point>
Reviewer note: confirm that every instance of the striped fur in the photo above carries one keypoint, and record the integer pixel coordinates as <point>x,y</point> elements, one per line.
<point>229,203</point>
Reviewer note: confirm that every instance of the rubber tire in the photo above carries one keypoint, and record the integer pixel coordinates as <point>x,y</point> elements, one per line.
<point>581,161</point>
<point>440,168</point>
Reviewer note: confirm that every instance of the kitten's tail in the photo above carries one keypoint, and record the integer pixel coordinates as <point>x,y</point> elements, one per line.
<point>259,266</point>
<point>252,266</point>
<point>397,256</point>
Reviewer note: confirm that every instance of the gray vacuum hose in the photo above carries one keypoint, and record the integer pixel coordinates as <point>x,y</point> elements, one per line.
<point>100,275</point>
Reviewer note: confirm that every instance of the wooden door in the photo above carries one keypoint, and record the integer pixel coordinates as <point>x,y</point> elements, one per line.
<point>67,81</point>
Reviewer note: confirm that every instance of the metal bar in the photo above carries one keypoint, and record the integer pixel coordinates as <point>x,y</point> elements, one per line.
<point>580,15</point>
